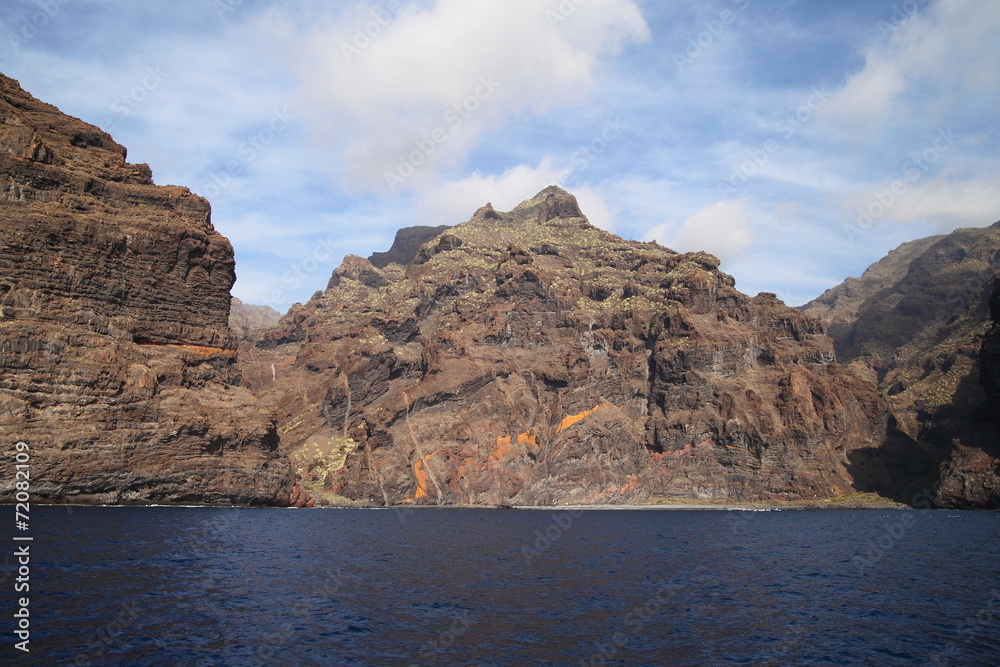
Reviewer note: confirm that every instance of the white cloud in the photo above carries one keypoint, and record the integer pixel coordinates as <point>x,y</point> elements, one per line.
<point>595,206</point>
<point>417,94</point>
<point>948,201</point>
<point>722,229</point>
<point>452,202</point>
<point>943,54</point>
<point>868,98</point>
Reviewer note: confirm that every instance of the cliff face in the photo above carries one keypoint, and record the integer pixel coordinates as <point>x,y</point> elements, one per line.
<point>406,245</point>
<point>529,357</point>
<point>922,332</point>
<point>118,365</point>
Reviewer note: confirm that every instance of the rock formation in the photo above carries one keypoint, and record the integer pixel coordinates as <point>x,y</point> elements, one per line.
<point>531,358</point>
<point>406,244</point>
<point>919,327</point>
<point>838,307</point>
<point>118,365</point>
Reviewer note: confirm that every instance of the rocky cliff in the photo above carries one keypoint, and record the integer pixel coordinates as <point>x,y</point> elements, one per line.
<point>406,245</point>
<point>920,327</point>
<point>118,365</point>
<point>529,357</point>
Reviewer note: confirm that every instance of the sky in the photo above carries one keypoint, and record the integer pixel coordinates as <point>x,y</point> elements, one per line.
<point>799,141</point>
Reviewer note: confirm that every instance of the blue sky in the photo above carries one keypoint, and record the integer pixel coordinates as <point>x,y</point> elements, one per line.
<point>799,141</point>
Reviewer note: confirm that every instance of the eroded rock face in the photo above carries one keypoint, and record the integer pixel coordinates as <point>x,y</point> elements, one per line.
<point>118,365</point>
<point>922,329</point>
<point>529,357</point>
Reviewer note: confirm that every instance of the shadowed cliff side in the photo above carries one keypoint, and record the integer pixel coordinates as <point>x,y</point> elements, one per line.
<point>920,328</point>
<point>118,365</point>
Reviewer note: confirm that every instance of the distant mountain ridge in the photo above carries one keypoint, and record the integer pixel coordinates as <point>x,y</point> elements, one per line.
<point>838,307</point>
<point>245,318</point>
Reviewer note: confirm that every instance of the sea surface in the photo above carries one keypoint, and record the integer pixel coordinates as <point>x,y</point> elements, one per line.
<point>203,586</point>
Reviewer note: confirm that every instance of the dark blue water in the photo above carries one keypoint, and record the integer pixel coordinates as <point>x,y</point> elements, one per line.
<point>197,586</point>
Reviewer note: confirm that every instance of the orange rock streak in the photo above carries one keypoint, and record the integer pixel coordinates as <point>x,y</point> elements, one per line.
<point>574,419</point>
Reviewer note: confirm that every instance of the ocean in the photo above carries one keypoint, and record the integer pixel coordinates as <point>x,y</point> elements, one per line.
<point>204,586</point>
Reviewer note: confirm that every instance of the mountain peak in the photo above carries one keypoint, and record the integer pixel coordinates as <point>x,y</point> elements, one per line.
<point>530,357</point>
<point>551,203</point>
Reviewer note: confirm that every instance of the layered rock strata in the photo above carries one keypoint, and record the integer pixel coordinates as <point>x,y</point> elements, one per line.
<point>117,365</point>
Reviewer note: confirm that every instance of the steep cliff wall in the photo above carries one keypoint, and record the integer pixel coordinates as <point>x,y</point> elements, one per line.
<point>529,357</point>
<point>118,365</point>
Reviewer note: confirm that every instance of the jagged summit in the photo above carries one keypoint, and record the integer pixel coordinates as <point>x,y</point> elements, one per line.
<point>38,133</point>
<point>551,203</point>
